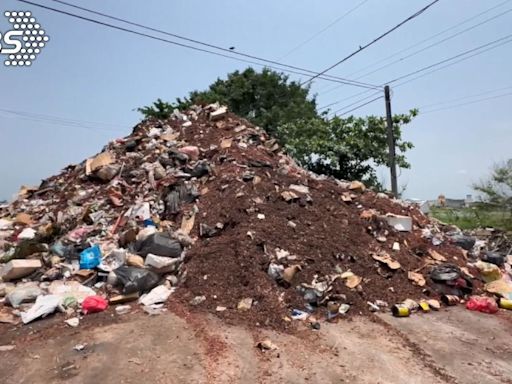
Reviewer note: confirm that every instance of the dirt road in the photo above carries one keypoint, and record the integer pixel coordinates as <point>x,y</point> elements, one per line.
<point>452,346</point>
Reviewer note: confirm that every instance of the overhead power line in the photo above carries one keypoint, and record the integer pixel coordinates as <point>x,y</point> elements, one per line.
<point>504,40</point>
<point>434,67</point>
<point>464,97</point>
<point>435,44</point>
<point>424,48</point>
<point>62,121</point>
<point>413,16</point>
<point>467,103</point>
<point>362,105</point>
<point>408,48</point>
<point>354,103</point>
<point>315,35</point>
<point>229,53</point>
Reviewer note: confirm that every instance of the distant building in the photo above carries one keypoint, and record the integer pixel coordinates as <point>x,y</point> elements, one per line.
<point>444,202</point>
<point>455,203</point>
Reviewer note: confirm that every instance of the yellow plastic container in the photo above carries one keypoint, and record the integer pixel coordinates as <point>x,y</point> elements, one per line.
<point>505,303</point>
<point>400,310</point>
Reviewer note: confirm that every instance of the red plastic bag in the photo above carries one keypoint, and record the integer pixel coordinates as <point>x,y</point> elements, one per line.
<point>94,304</point>
<point>482,304</point>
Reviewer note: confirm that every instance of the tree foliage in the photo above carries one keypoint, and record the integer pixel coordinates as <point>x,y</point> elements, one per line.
<point>345,148</point>
<point>497,189</point>
<point>159,109</point>
<point>267,98</point>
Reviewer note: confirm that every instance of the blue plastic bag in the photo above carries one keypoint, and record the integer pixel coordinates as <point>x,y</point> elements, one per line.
<point>90,258</point>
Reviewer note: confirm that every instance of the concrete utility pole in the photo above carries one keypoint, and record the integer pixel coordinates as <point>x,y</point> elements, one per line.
<point>391,142</point>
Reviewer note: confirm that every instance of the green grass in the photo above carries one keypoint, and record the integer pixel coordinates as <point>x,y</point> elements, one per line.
<point>474,217</point>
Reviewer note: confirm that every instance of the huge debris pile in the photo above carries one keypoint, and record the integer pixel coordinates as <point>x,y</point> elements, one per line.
<point>206,209</point>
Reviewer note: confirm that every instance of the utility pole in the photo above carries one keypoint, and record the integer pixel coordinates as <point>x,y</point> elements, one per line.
<point>391,142</point>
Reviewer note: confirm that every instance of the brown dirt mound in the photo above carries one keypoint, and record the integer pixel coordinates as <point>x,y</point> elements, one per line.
<point>242,221</point>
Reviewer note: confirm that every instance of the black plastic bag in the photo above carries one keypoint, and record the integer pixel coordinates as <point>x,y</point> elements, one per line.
<point>159,244</point>
<point>136,279</point>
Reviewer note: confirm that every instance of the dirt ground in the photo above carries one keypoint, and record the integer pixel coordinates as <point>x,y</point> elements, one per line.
<point>451,346</point>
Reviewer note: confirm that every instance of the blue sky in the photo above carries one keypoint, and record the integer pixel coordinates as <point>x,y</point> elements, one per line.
<point>95,74</point>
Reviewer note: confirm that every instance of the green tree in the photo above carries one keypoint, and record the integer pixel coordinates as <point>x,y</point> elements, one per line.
<point>347,148</point>
<point>160,109</point>
<point>497,189</point>
<point>267,98</point>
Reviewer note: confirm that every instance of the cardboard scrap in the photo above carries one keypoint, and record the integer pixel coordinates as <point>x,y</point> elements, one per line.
<point>187,223</point>
<point>416,278</point>
<point>18,268</point>
<point>357,186</point>
<point>436,255</point>
<point>104,158</point>
<point>226,143</point>
<point>289,196</point>
<point>351,280</point>
<point>23,218</point>
<point>383,257</point>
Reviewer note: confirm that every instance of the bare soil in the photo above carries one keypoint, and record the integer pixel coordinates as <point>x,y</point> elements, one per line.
<point>451,346</point>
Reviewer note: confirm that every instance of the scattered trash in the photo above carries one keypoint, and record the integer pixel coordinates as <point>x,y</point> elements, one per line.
<point>353,281</point>
<point>73,322</point>
<point>80,347</point>
<point>136,279</point>
<point>417,278</point>
<point>434,304</point>
<point>400,223</point>
<point>197,300</point>
<point>245,304</point>
<point>6,348</point>
<point>445,272</point>
<point>493,258</point>
<point>504,303</point>
<point>297,314</point>
<point>16,269</point>
<point>299,188</point>
<point>450,300</point>
<point>315,325</point>
<point>43,306</point>
<point>424,306</point>
<point>357,186</point>
<point>266,345</point>
<point>400,310</point>
<point>157,295</point>
<point>344,308</point>
<point>93,304</point>
<point>482,304</point>
<point>23,294</point>
<point>385,258</point>
<point>123,309</point>
<point>90,258</point>
<point>465,242</point>
<point>154,309</point>
<point>489,272</point>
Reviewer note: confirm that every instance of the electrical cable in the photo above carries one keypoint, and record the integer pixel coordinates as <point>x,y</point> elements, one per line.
<point>464,97</point>
<point>230,52</point>
<point>427,47</point>
<point>502,41</point>
<point>467,103</point>
<point>314,36</point>
<point>413,16</point>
